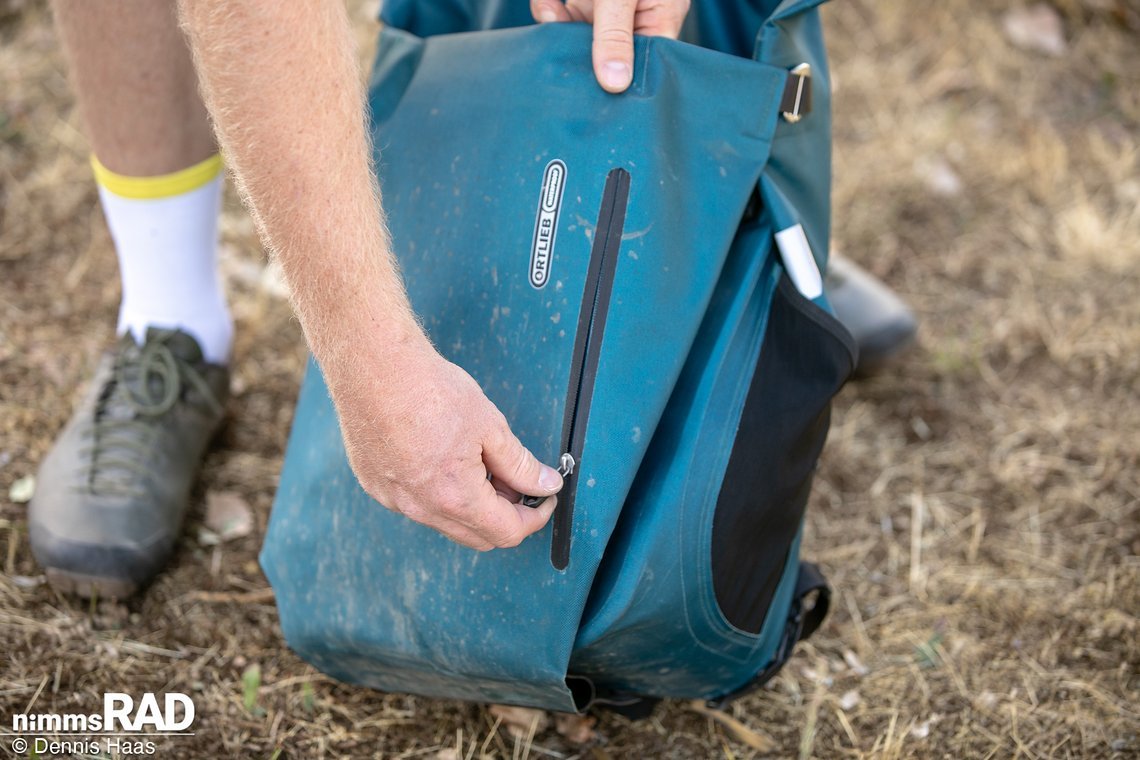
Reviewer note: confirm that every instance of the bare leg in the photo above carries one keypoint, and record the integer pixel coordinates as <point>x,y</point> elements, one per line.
<point>136,85</point>
<point>115,486</point>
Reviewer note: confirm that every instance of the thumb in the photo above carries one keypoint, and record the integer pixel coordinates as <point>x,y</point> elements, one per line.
<point>613,43</point>
<point>511,464</point>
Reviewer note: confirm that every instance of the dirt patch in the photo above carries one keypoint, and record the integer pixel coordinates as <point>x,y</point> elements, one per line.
<point>976,509</point>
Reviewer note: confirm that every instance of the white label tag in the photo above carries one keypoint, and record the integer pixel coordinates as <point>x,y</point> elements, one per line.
<point>799,262</point>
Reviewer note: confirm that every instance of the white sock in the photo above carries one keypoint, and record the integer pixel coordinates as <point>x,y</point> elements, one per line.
<point>165,230</point>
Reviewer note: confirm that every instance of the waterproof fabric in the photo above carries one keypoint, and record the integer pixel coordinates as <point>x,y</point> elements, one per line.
<point>784,33</point>
<point>641,328</point>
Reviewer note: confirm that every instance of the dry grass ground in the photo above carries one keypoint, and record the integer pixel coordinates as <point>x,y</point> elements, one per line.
<point>977,506</point>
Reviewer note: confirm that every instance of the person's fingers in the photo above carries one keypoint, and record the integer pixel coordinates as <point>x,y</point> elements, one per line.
<point>548,11</point>
<point>468,508</point>
<point>662,19</point>
<point>444,520</point>
<point>512,465</point>
<point>613,43</point>
<point>447,518</point>
<point>503,523</point>
<point>505,490</point>
<point>532,519</point>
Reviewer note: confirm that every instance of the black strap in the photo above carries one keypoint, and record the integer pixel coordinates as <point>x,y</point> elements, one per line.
<point>801,624</point>
<point>811,580</point>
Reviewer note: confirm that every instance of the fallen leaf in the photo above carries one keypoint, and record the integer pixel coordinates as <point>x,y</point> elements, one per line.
<point>922,730</point>
<point>28,581</point>
<point>855,663</point>
<point>228,516</point>
<point>1038,29</point>
<point>22,490</point>
<point>577,729</point>
<point>521,721</point>
<point>250,685</point>
<point>849,700</point>
<point>815,676</point>
<point>737,730</point>
<point>938,176</point>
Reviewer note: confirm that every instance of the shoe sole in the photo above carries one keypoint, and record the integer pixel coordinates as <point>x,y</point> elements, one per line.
<point>88,586</point>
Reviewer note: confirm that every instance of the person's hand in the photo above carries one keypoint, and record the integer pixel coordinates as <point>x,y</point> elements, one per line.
<point>615,22</point>
<point>422,438</point>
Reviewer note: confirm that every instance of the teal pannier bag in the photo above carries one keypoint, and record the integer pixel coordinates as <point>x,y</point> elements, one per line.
<point>634,280</point>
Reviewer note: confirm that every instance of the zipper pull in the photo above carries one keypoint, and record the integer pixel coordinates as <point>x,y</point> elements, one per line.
<point>566,466</point>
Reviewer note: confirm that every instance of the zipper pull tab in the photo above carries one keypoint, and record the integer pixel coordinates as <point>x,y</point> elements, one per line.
<point>566,465</point>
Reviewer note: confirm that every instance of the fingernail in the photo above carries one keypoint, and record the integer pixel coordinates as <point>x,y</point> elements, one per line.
<point>616,75</point>
<point>546,16</point>
<point>549,479</point>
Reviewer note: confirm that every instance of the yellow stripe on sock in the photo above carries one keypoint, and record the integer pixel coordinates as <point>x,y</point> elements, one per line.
<point>160,186</point>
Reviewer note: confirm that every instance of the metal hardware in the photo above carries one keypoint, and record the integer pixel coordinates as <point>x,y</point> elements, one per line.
<point>566,465</point>
<point>797,102</point>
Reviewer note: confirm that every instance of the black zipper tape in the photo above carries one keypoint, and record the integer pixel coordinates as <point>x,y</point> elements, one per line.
<point>588,348</point>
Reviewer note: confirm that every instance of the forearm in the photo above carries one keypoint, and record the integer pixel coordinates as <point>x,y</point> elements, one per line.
<point>281,82</point>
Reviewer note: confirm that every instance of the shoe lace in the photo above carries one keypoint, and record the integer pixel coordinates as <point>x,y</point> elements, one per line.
<point>145,384</point>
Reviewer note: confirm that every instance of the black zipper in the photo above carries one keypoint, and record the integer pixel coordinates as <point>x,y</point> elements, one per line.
<point>587,350</point>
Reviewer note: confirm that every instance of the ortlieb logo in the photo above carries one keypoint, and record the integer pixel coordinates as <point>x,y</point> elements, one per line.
<point>546,224</point>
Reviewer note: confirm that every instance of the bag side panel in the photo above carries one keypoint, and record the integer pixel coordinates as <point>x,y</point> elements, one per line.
<point>655,622</point>
<point>638,632</point>
<point>796,186</point>
<point>693,596</point>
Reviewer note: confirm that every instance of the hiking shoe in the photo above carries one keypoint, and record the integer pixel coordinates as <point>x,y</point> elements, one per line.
<point>880,322</point>
<point>113,490</point>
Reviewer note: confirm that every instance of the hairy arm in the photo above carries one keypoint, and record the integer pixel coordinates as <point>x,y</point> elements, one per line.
<point>281,82</point>
<point>282,86</point>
